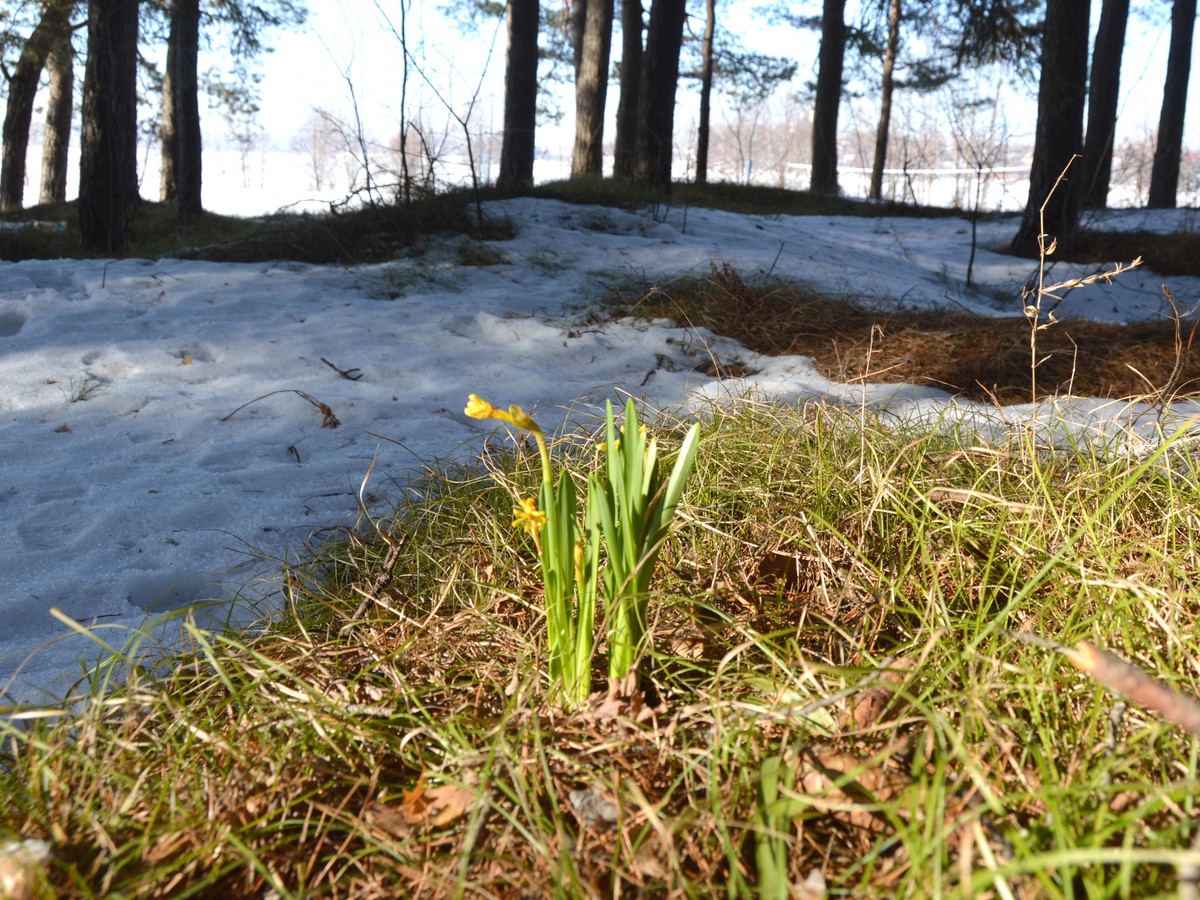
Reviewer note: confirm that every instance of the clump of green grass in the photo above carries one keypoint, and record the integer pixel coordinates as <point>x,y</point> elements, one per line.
<point>833,695</point>
<point>82,389</point>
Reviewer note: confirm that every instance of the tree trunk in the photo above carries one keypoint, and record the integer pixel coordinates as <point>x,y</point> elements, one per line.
<point>1059,132</point>
<point>520,96</point>
<point>591,90</point>
<point>829,98</point>
<point>625,149</point>
<point>60,106</point>
<point>577,26</point>
<point>182,177</point>
<point>1164,176</point>
<point>55,22</point>
<point>656,124</point>
<point>1102,103</point>
<point>706,78</point>
<point>885,101</point>
<point>108,162</point>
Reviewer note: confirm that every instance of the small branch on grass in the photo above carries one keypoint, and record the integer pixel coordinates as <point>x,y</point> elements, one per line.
<point>1131,682</point>
<point>1125,679</point>
<point>328,419</point>
<point>372,591</point>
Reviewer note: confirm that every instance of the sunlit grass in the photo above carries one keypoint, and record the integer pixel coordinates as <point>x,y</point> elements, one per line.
<point>833,617</point>
<point>985,358</point>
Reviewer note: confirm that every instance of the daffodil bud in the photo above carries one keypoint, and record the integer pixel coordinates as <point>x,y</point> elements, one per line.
<point>522,419</point>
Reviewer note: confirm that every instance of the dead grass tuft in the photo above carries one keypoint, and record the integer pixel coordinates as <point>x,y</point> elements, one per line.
<point>1166,254</point>
<point>974,356</point>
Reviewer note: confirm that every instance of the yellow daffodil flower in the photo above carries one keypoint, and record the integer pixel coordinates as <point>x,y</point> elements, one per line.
<point>526,515</point>
<point>478,408</point>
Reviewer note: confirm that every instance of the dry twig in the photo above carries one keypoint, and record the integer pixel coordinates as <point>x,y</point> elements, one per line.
<point>328,419</point>
<point>351,374</point>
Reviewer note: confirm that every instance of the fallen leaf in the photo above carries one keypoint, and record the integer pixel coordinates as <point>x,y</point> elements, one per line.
<point>848,788</point>
<point>877,702</point>
<point>622,701</point>
<point>421,807</point>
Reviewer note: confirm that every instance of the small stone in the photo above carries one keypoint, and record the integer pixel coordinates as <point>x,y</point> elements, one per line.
<point>20,864</point>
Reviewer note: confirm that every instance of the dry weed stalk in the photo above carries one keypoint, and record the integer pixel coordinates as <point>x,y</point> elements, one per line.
<point>1033,310</point>
<point>328,419</point>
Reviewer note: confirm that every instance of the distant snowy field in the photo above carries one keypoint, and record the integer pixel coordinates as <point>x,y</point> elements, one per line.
<point>127,487</point>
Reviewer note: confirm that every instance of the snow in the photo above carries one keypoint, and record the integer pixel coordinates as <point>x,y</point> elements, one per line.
<point>195,465</point>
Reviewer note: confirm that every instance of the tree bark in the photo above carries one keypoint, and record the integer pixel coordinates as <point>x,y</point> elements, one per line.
<point>706,79</point>
<point>520,96</point>
<point>591,90</point>
<point>625,148</point>
<point>1059,132</point>
<point>577,25</point>
<point>829,97</point>
<point>1164,176</point>
<point>108,162</point>
<point>60,106</point>
<point>660,77</point>
<point>55,22</point>
<point>885,100</point>
<point>182,176</point>
<point>1102,103</point>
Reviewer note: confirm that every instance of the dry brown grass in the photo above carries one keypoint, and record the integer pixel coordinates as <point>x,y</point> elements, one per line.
<point>975,356</point>
<point>1166,254</point>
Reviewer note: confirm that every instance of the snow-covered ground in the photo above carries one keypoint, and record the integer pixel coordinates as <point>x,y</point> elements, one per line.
<point>154,451</point>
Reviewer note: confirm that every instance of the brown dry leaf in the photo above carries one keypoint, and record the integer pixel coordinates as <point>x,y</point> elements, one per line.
<point>446,803</point>
<point>869,707</point>
<point>687,642</point>
<point>623,701</point>
<point>875,703</point>
<point>421,808</point>
<point>870,784</point>
<point>778,566</point>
